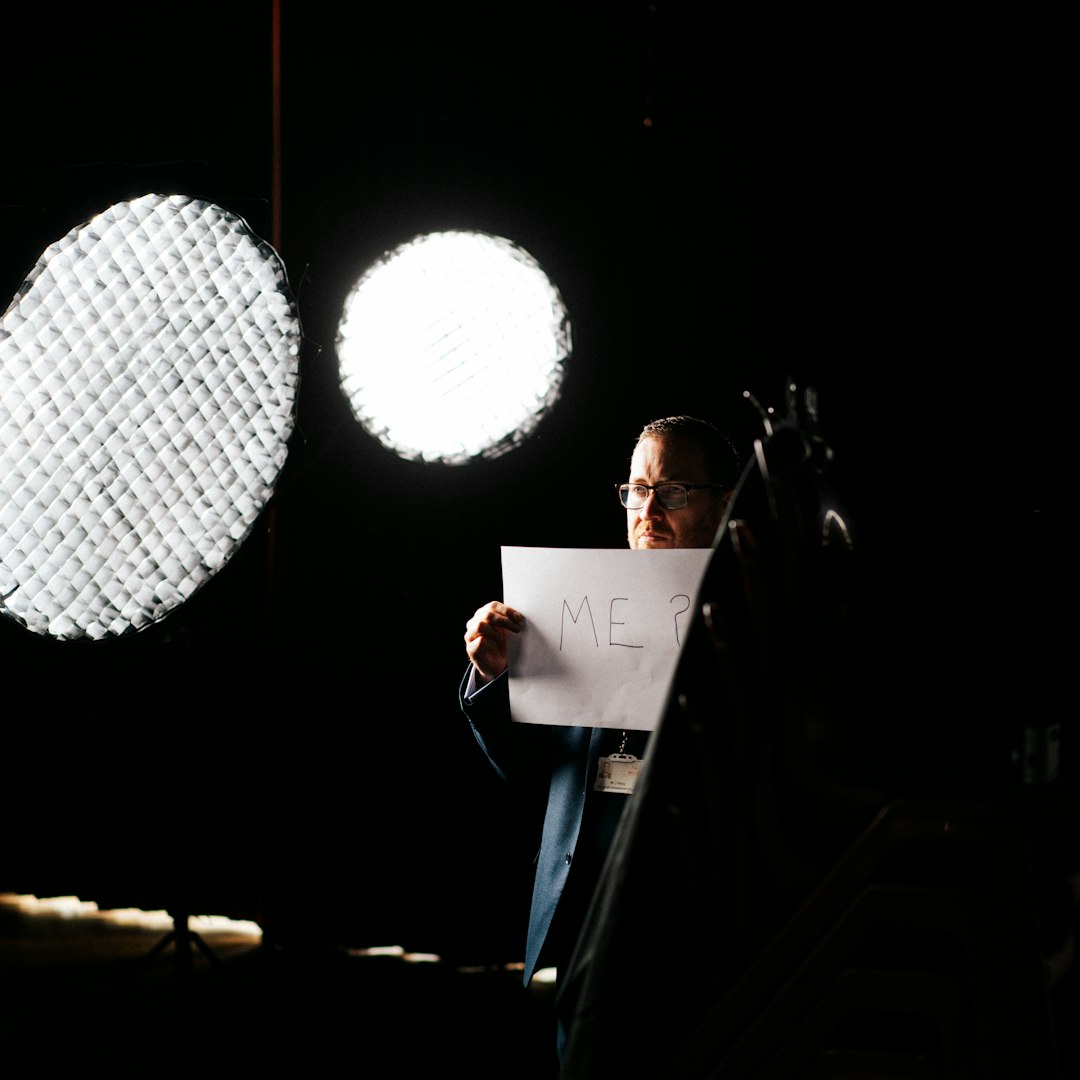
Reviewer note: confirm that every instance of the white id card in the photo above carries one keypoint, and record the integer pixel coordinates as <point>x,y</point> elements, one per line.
<point>617,773</point>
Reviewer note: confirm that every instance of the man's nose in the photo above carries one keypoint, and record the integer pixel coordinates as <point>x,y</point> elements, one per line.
<point>651,508</point>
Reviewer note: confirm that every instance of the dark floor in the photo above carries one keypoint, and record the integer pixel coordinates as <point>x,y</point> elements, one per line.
<point>88,997</point>
<point>81,995</point>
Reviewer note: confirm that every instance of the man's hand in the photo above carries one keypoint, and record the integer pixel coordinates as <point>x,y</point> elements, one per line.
<point>485,638</point>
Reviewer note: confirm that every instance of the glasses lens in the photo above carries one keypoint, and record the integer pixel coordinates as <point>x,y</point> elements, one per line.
<point>671,496</point>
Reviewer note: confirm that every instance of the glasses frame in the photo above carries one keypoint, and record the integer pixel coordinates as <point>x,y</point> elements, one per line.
<point>620,488</point>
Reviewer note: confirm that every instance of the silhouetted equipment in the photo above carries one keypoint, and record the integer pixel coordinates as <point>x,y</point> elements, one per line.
<point>184,942</point>
<point>787,896</point>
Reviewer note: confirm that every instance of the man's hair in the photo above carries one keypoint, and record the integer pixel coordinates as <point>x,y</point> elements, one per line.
<point>721,459</point>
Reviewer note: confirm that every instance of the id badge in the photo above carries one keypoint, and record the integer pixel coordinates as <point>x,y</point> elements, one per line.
<point>617,773</point>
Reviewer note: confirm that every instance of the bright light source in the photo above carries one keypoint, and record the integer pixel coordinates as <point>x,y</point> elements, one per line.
<point>148,374</point>
<point>71,907</point>
<point>452,347</point>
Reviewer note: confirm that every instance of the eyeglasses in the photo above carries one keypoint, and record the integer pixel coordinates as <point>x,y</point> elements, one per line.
<point>669,496</point>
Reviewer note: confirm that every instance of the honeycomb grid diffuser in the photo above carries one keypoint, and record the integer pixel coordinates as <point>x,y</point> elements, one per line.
<point>149,367</point>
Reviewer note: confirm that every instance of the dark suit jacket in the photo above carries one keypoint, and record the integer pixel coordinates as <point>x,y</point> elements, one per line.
<point>566,759</point>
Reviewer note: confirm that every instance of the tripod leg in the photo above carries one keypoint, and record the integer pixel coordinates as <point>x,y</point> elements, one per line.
<point>204,948</point>
<point>182,966</point>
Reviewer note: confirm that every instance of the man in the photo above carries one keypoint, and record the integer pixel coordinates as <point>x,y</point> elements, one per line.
<point>682,472</point>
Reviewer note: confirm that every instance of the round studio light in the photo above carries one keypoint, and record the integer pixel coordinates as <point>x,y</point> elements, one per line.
<point>453,347</point>
<point>148,376</point>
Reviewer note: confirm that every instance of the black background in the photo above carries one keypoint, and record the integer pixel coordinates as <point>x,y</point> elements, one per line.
<point>872,208</point>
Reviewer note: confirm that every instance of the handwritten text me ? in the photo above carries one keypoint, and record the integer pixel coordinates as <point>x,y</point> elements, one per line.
<point>575,625</point>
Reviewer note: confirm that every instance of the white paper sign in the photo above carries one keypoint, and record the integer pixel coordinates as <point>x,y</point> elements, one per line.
<point>603,630</point>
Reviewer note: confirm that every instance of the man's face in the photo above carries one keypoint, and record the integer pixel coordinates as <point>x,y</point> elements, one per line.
<point>659,461</point>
